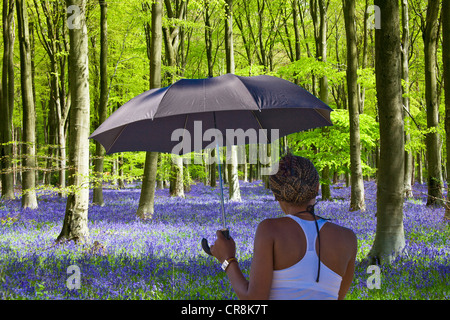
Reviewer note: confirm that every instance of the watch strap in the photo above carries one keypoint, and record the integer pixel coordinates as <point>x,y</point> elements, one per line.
<point>227,262</point>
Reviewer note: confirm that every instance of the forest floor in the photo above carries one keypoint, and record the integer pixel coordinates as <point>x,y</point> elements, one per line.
<point>162,258</point>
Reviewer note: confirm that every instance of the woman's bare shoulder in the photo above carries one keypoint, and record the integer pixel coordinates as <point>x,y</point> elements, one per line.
<point>273,222</point>
<point>343,232</point>
<point>273,226</point>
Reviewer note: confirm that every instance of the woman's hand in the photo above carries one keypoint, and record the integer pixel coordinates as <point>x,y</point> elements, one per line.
<point>223,248</point>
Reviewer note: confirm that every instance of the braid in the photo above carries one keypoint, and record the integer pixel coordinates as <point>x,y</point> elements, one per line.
<point>296,180</point>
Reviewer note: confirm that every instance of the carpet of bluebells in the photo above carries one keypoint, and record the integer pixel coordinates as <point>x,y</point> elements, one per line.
<point>162,258</point>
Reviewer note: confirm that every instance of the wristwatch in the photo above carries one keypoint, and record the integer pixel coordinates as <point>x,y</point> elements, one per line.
<point>227,262</point>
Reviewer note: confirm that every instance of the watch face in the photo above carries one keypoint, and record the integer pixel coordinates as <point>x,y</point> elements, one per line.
<point>224,265</point>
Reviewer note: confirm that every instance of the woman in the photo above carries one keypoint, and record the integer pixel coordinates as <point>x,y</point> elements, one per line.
<point>286,264</point>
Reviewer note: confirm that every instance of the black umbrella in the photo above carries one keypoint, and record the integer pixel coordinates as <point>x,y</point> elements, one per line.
<point>194,106</point>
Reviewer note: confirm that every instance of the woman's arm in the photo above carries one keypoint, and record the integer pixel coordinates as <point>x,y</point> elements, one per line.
<point>348,276</point>
<point>261,270</point>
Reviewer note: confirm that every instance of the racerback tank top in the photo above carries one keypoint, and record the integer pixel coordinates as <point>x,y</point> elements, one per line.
<point>298,282</point>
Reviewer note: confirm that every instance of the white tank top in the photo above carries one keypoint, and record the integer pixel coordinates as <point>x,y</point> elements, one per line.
<point>298,282</point>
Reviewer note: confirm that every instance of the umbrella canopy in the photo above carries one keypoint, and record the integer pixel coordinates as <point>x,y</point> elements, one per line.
<point>146,122</point>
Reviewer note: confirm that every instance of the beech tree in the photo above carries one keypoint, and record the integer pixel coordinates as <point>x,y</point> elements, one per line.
<point>29,199</point>
<point>319,15</point>
<point>75,225</point>
<point>232,157</point>
<point>405,76</point>
<point>171,36</point>
<point>389,237</point>
<point>357,186</point>
<point>97,197</point>
<point>154,48</point>
<point>430,34</point>
<point>446,63</point>
<point>7,102</point>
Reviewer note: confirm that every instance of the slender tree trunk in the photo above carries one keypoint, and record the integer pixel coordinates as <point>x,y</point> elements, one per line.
<point>7,103</point>
<point>296,26</point>
<point>361,89</point>
<point>212,171</point>
<point>172,43</point>
<point>121,182</point>
<point>431,96</point>
<point>446,62</point>
<point>419,168</point>
<point>146,200</point>
<point>29,199</point>
<point>405,76</point>
<point>229,47</point>
<point>232,163</point>
<point>160,176</point>
<point>389,237</point>
<point>177,177</point>
<point>321,55</point>
<point>298,51</point>
<point>208,38</point>
<point>51,41</point>
<point>208,42</point>
<point>357,184</point>
<point>102,108</point>
<point>76,217</point>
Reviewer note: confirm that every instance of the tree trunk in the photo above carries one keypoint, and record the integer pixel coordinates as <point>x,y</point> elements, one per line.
<point>208,38</point>
<point>233,178</point>
<point>76,217</point>
<point>146,200</point>
<point>389,237</point>
<point>212,170</point>
<point>362,90</point>
<point>229,47</point>
<point>160,176</point>
<point>320,27</point>
<point>172,43</point>
<point>121,182</point>
<point>419,168</point>
<point>51,41</point>
<point>176,177</point>
<point>357,184</point>
<point>431,96</point>
<point>7,103</point>
<point>208,43</point>
<point>298,51</point>
<point>405,76</point>
<point>29,199</point>
<point>446,63</point>
<point>97,197</point>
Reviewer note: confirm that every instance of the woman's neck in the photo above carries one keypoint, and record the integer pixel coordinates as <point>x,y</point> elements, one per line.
<point>298,210</point>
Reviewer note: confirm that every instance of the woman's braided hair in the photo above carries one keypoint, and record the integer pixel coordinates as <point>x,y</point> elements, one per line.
<point>296,180</point>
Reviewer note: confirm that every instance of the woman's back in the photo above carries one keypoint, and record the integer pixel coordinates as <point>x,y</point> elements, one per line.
<point>296,261</point>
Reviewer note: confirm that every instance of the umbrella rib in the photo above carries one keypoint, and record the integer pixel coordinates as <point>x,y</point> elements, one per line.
<point>117,137</point>
<point>257,119</point>
<point>321,114</point>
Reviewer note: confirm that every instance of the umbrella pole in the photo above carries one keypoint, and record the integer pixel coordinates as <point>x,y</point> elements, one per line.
<point>224,230</point>
<point>221,188</point>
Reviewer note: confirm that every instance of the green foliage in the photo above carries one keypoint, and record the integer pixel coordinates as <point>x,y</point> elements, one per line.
<point>331,147</point>
<point>305,67</point>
